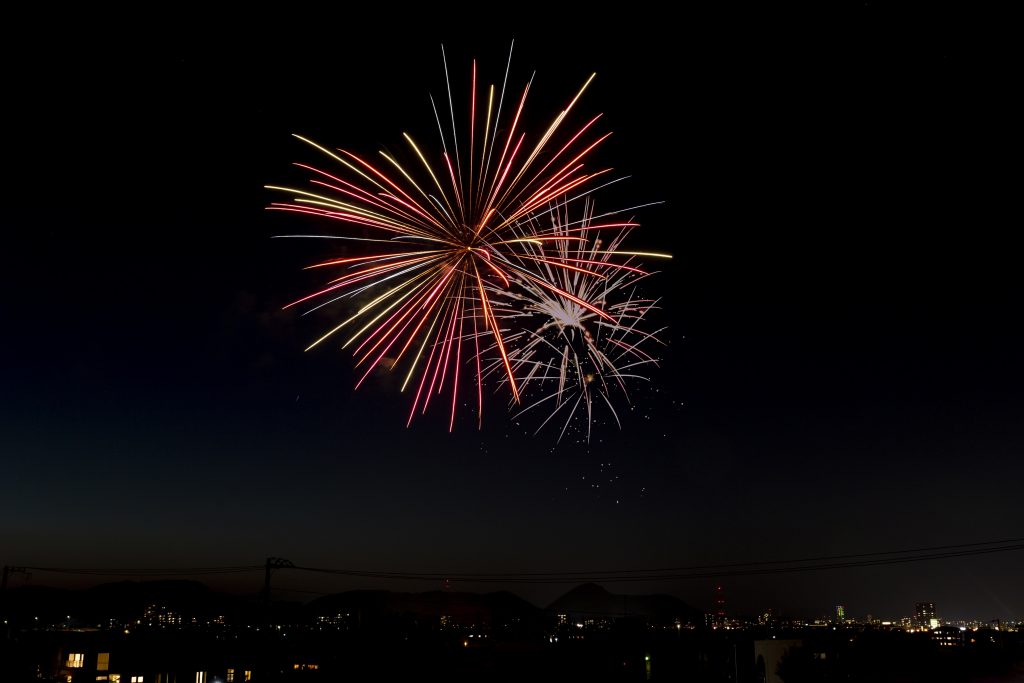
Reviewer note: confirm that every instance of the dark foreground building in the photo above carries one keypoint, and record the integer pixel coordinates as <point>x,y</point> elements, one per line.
<point>181,633</point>
<point>617,651</point>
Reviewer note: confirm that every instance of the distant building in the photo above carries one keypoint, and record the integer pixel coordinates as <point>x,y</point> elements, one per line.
<point>337,620</point>
<point>93,655</point>
<point>924,614</point>
<point>719,620</point>
<point>840,613</point>
<point>161,616</point>
<point>948,636</point>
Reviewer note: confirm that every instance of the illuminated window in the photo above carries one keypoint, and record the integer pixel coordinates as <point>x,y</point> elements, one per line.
<point>200,677</point>
<point>247,676</point>
<point>136,679</point>
<point>231,676</point>
<point>115,678</point>
<point>103,661</point>
<point>75,660</point>
<point>101,678</point>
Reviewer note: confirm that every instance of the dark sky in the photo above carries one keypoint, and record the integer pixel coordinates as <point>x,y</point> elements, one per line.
<point>843,371</point>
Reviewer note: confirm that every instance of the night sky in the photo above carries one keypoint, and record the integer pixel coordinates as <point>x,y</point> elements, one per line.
<point>842,371</point>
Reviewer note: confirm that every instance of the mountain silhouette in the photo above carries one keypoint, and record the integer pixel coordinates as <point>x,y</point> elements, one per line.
<point>192,600</point>
<point>591,601</point>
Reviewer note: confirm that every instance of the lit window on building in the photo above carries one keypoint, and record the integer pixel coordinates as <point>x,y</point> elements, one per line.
<point>103,661</point>
<point>231,676</point>
<point>102,678</point>
<point>115,678</point>
<point>200,677</point>
<point>137,679</point>
<point>76,660</point>
<point>247,676</point>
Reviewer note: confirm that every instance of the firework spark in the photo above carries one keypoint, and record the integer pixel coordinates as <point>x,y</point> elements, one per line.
<point>566,357</point>
<point>445,236</point>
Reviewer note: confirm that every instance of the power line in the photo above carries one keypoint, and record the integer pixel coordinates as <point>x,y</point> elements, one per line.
<point>147,571</point>
<point>879,558</point>
<point>703,571</point>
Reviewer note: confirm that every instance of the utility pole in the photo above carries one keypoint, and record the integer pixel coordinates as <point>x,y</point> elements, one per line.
<point>267,660</point>
<point>8,570</point>
<point>272,564</point>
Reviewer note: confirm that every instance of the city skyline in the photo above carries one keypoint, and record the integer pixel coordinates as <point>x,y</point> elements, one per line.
<point>841,373</point>
<point>719,613</point>
<point>167,632</point>
<point>183,603</point>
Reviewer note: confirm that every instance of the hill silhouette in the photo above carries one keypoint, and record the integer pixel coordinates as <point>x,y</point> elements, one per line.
<point>129,600</point>
<point>590,600</point>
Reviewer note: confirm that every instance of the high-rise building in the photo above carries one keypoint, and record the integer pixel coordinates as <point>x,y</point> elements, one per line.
<point>720,618</point>
<point>924,614</point>
<point>840,613</point>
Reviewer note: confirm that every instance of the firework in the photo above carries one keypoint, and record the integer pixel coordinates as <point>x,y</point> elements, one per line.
<point>442,236</point>
<point>568,360</point>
